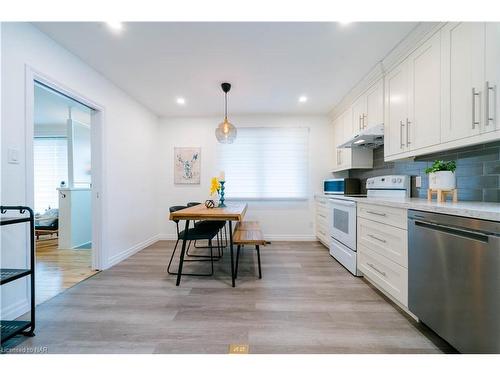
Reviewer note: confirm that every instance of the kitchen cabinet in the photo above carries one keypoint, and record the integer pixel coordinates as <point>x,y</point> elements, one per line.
<point>396,110</point>
<point>322,222</point>
<point>492,76</point>
<point>368,109</point>
<point>413,101</point>
<point>348,158</point>
<point>382,244</point>
<point>463,79</point>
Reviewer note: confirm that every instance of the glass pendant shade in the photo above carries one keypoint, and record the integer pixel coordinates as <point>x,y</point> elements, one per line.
<point>226,132</point>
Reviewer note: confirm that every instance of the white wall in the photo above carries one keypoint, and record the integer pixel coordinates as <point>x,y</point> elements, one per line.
<point>129,138</point>
<point>279,219</point>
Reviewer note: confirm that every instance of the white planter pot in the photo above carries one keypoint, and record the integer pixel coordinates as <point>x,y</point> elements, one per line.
<point>444,180</point>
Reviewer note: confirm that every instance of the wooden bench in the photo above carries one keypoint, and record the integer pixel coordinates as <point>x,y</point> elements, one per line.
<point>248,233</point>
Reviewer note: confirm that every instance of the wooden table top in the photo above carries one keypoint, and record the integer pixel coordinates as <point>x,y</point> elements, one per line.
<point>233,211</point>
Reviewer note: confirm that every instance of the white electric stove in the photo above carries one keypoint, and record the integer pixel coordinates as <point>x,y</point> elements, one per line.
<point>343,214</point>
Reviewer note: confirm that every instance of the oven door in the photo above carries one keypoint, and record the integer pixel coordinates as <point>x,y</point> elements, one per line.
<point>343,222</point>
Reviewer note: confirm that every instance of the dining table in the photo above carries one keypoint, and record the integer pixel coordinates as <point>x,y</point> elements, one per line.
<point>231,211</point>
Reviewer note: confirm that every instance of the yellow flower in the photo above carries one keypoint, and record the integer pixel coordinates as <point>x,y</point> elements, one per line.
<point>214,186</point>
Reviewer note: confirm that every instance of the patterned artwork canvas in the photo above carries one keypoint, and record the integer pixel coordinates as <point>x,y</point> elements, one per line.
<point>187,165</point>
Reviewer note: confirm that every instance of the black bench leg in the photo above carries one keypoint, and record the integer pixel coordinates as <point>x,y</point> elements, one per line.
<point>237,261</point>
<point>258,259</point>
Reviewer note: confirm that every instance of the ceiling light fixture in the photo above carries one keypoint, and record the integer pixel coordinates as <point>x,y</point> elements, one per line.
<point>344,23</point>
<point>225,132</point>
<point>115,25</point>
<point>180,101</point>
<point>303,99</point>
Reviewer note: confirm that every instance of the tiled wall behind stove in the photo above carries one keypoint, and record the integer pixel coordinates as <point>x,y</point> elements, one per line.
<point>478,171</point>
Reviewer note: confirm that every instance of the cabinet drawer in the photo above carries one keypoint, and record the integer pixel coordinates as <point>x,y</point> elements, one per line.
<point>389,276</point>
<point>321,202</point>
<point>386,240</point>
<point>383,214</point>
<point>321,214</point>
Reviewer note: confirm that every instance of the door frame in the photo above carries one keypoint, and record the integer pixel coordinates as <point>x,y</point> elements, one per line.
<point>97,155</point>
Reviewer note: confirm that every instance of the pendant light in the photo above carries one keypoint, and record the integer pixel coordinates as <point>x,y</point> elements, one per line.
<point>226,132</point>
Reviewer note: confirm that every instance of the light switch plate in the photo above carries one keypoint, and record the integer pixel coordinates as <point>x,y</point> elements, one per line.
<point>13,156</point>
<point>418,181</point>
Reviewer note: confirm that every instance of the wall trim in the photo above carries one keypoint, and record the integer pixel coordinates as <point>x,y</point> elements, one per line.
<point>268,237</point>
<point>121,256</point>
<point>16,309</point>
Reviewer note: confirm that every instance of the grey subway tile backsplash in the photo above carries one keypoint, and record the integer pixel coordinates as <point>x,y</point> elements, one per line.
<point>478,170</point>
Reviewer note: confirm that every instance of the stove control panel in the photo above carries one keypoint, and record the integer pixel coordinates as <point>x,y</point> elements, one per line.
<point>391,182</point>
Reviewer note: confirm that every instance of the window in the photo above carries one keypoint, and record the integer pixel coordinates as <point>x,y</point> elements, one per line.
<point>266,163</point>
<point>51,167</point>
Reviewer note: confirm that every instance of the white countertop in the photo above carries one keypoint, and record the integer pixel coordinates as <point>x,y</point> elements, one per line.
<point>477,210</point>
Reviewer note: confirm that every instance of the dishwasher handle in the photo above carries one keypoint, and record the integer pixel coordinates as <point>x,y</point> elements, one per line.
<point>458,231</point>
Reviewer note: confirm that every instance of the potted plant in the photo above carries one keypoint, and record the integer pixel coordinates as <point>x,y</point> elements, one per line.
<point>442,175</point>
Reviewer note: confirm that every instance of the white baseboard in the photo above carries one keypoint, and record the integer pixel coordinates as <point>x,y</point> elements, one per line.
<point>268,237</point>
<point>15,310</point>
<point>117,258</point>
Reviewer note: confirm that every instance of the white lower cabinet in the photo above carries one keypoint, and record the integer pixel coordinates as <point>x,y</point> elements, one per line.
<point>382,245</point>
<point>322,213</point>
<point>386,274</point>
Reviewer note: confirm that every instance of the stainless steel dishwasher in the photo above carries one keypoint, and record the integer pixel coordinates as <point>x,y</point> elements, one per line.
<point>454,278</point>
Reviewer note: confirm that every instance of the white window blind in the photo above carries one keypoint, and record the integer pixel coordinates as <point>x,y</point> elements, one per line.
<point>266,163</point>
<point>51,167</point>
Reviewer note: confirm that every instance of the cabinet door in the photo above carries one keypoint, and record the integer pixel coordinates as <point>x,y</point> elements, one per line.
<point>337,140</point>
<point>358,112</point>
<point>375,104</point>
<point>396,110</point>
<point>462,74</point>
<point>346,153</point>
<point>492,76</point>
<point>424,104</point>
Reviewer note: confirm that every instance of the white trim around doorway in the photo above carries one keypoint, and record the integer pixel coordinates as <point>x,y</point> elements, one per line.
<point>99,259</point>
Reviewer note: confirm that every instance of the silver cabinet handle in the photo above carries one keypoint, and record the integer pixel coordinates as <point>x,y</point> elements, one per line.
<point>377,213</point>
<point>360,126</point>
<point>365,122</point>
<point>487,89</point>
<point>376,269</point>
<point>401,134</point>
<point>474,94</point>
<point>323,233</point>
<point>408,122</point>
<point>376,238</point>
<point>323,216</point>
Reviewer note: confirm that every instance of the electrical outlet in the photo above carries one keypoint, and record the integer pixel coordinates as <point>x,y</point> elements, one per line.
<point>418,181</point>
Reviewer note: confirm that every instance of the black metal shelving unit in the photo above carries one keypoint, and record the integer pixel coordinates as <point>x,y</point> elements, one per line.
<point>11,328</point>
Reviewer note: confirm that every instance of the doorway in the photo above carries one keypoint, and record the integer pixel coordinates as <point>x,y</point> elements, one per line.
<point>63,193</point>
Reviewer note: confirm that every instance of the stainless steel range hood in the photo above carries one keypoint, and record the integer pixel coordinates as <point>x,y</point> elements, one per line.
<point>371,137</point>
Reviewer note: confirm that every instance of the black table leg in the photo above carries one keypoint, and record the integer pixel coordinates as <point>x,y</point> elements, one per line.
<point>231,250</point>
<point>183,251</point>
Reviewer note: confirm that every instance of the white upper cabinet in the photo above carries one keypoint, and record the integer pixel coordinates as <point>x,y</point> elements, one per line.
<point>463,81</point>
<point>396,110</point>
<point>358,109</point>
<point>492,76</point>
<point>347,158</point>
<point>368,108</point>
<point>424,95</point>
<point>375,104</point>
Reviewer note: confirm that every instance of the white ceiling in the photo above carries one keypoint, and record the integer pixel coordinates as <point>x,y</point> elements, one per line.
<point>269,64</point>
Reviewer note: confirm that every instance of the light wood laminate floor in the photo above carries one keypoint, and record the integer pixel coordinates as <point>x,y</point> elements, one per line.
<point>305,303</point>
<point>59,269</point>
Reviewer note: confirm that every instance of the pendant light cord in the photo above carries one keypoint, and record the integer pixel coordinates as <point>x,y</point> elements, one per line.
<point>225,105</point>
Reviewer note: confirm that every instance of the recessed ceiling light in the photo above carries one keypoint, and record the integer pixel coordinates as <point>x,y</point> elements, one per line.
<point>115,25</point>
<point>344,23</point>
<point>302,99</point>
<point>180,101</point>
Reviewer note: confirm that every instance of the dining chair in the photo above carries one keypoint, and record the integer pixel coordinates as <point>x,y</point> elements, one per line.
<point>194,234</point>
<point>221,235</point>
